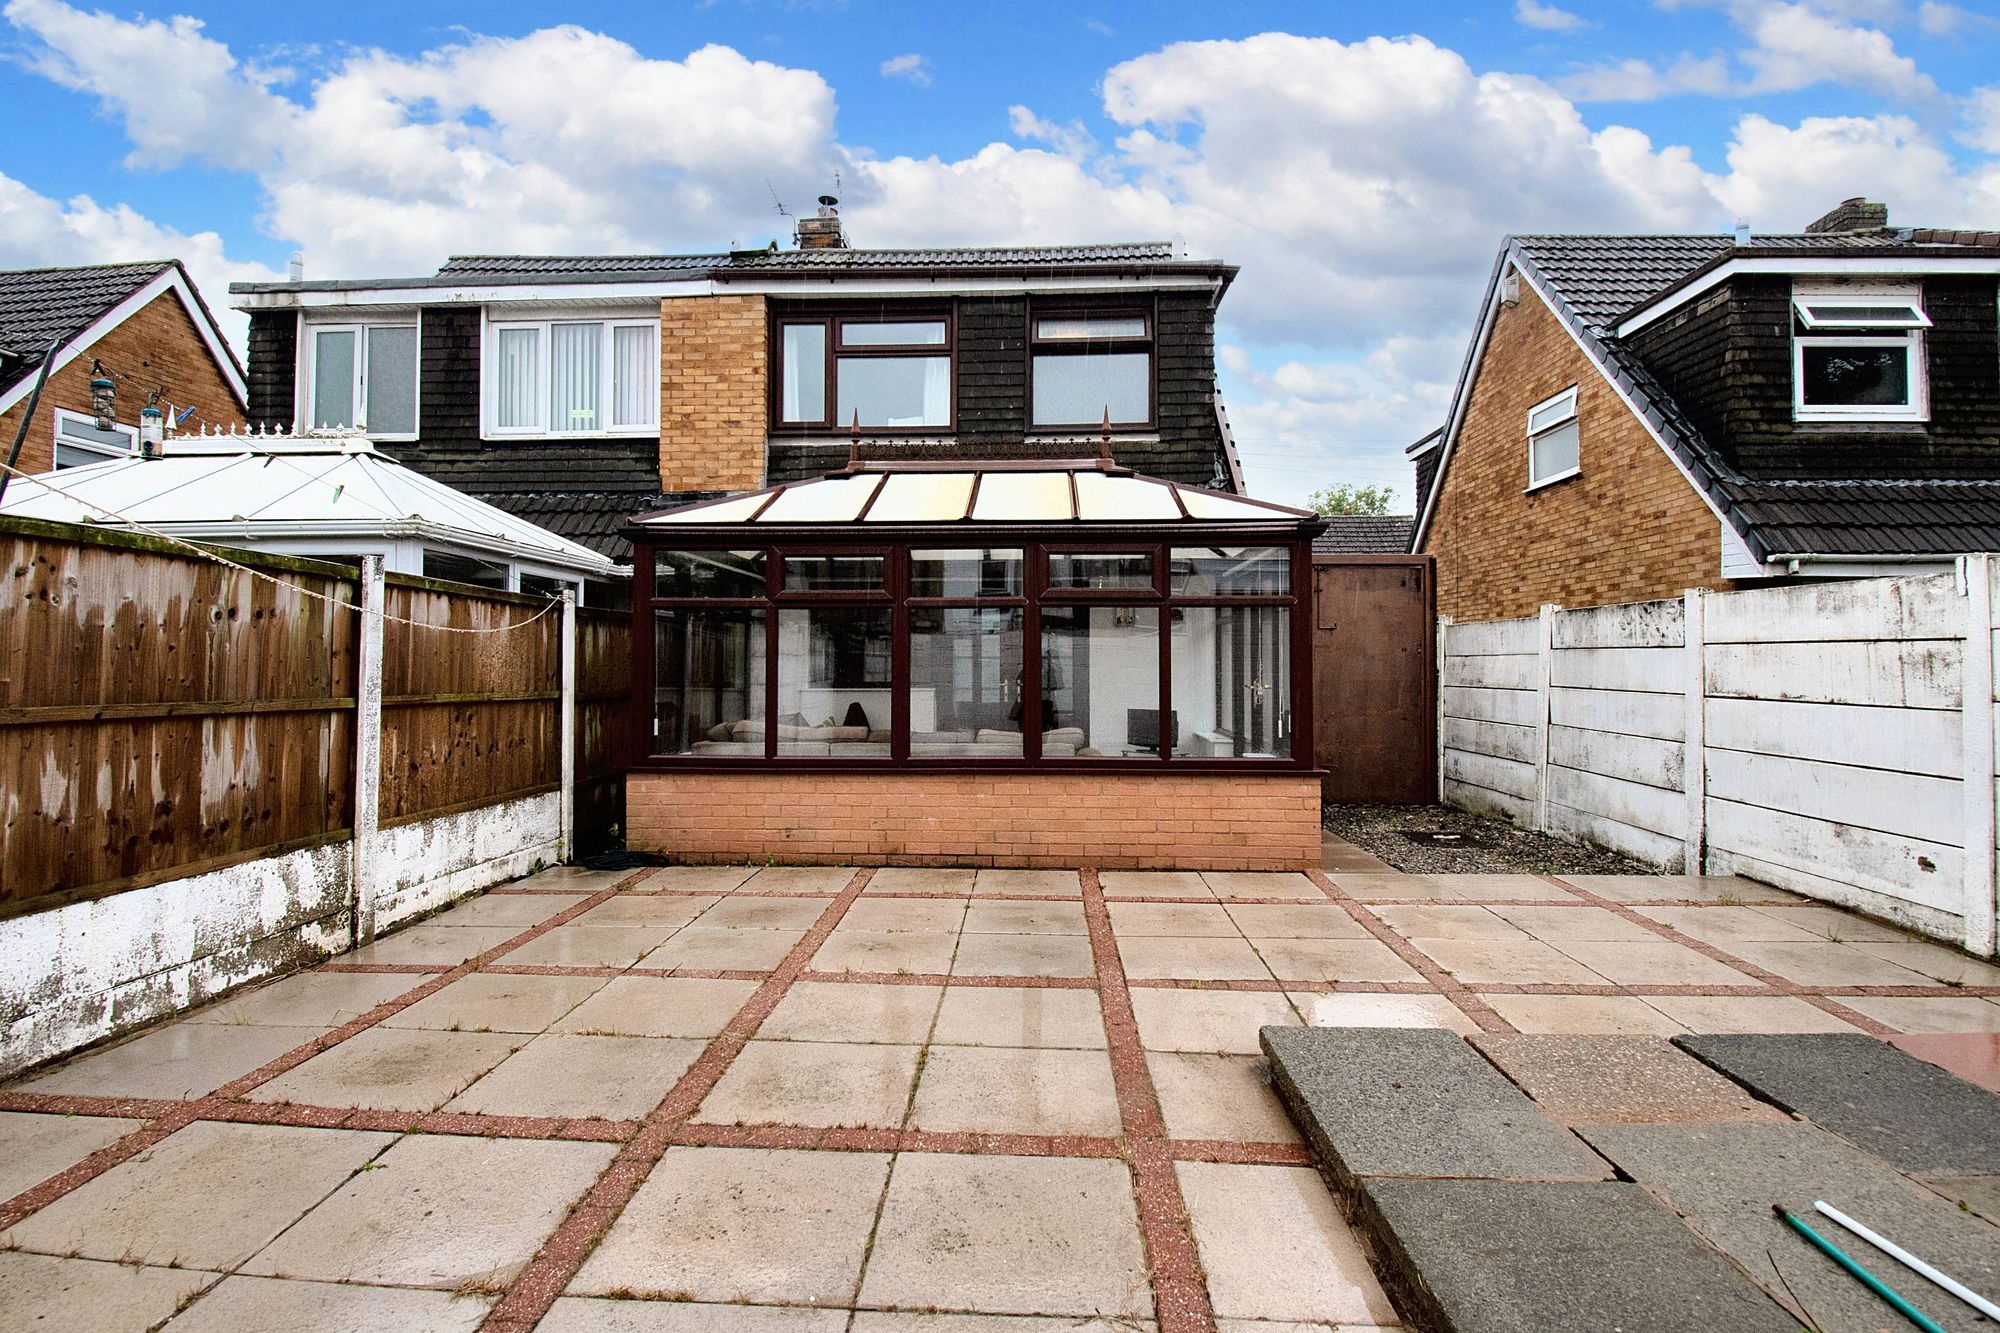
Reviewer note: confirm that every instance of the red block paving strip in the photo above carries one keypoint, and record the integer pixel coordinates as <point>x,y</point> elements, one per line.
<point>217,1104</point>
<point>536,1287</point>
<point>1447,985</point>
<point>1180,1295</point>
<point>1778,985</point>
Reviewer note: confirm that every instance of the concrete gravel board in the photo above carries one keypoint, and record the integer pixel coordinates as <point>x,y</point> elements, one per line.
<point>1416,1102</point>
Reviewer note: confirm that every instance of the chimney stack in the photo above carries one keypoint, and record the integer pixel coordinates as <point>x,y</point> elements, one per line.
<point>1850,215</point>
<point>822,231</point>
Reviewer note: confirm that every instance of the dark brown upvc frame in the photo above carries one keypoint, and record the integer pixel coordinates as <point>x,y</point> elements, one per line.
<point>1101,308</point>
<point>1035,544</point>
<point>833,319</point>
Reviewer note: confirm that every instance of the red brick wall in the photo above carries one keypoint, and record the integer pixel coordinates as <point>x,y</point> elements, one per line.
<point>713,354</point>
<point>158,345</point>
<point>1189,822</point>
<point>1630,528</point>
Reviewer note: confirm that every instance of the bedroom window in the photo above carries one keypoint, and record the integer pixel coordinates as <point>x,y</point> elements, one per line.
<point>572,377</point>
<point>1858,354</point>
<point>1089,363</point>
<point>363,376</point>
<point>1555,440</point>
<point>892,372</point>
<point>79,441</point>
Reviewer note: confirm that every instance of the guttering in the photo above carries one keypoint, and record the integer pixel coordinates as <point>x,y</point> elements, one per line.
<point>1800,562</point>
<point>221,530</point>
<point>1795,261</point>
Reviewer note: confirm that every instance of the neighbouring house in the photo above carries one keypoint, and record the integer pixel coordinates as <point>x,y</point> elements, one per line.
<point>1365,534</point>
<point>124,334</point>
<point>579,391</point>
<point>1638,415</point>
<point>332,497</point>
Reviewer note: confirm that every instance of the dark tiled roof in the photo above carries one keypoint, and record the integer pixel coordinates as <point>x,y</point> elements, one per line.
<point>38,306</point>
<point>591,518</point>
<point>1360,534</point>
<point>587,267</point>
<point>1868,518</point>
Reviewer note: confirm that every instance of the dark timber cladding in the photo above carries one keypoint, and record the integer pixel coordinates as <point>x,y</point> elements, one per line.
<point>1743,330</point>
<point>274,366</point>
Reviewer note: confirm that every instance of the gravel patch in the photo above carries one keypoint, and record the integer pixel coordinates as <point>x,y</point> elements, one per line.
<point>1503,849</point>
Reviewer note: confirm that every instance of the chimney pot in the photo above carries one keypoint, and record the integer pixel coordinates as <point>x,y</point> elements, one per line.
<point>822,232</point>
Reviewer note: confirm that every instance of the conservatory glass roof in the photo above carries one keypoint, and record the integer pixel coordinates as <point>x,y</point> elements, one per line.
<point>1057,494</point>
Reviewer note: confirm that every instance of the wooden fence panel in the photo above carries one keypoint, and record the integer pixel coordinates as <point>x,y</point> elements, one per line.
<point>162,714</point>
<point>467,719</point>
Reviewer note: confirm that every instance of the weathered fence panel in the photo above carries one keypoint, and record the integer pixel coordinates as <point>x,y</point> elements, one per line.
<point>1836,739</point>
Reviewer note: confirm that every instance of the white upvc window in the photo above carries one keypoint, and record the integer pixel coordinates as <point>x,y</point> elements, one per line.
<point>564,377</point>
<point>359,375</point>
<point>1858,353</point>
<point>80,442</point>
<point>1555,440</point>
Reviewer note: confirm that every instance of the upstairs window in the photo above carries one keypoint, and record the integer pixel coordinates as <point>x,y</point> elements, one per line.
<point>1555,440</point>
<point>364,376</point>
<point>572,377</point>
<point>80,442</point>
<point>890,372</point>
<point>1087,364</point>
<point>1858,354</point>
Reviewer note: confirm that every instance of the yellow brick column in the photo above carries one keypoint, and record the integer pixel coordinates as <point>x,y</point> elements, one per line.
<point>714,386</point>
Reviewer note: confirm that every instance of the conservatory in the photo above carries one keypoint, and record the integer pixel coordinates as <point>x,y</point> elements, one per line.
<point>1055,625</point>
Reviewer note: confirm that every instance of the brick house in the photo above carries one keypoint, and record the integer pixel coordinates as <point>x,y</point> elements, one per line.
<point>143,328</point>
<point>578,391</point>
<point>1638,415</point>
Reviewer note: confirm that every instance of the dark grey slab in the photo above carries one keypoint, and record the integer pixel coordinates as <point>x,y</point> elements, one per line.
<point>1415,1102</point>
<point>1723,1180</point>
<point>1908,1111</point>
<point>1979,1194</point>
<point>1483,1256</point>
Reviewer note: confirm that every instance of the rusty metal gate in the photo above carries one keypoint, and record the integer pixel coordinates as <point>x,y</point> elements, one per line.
<point>1375,677</point>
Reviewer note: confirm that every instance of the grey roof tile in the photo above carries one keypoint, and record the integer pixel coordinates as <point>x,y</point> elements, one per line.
<point>38,306</point>
<point>1366,534</point>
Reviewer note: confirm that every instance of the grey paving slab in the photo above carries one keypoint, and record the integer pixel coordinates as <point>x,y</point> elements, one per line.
<point>1908,1111</point>
<point>658,1007</point>
<point>497,1002</point>
<point>519,910</point>
<point>51,1295</point>
<point>1273,1246</point>
<point>35,1147</point>
<point>1415,1102</point>
<point>310,999</point>
<point>591,1314</point>
<point>208,1196</point>
<point>392,1069</point>
<point>614,1078</point>
<point>1979,1194</point>
<point>181,1060</point>
<point>1597,1078</point>
<point>1723,1180</point>
<point>1484,1256</point>
<point>262,1304</point>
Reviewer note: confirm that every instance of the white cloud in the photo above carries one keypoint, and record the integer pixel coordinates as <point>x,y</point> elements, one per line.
<point>1797,46</point>
<point>1641,81</point>
<point>912,68</point>
<point>1548,18</point>
<point>1782,177</point>
<point>1071,140</point>
<point>1982,120</point>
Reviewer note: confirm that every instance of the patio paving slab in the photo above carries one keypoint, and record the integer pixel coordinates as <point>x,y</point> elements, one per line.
<point>497,1002</point>
<point>1023,956</point>
<point>1651,962</point>
<point>810,881</point>
<point>1196,959</point>
<point>1362,1010</point>
<point>1827,923</point>
<point>515,910</point>
<point>1180,920</point>
<point>1723,1180</point>
<point>1582,1080</point>
<point>1498,888</point>
<point>1976,1194</point>
<point>1973,1056</point>
<point>1007,1090</point>
<point>1056,917</point>
<point>1225,1097</point>
<point>262,1304</point>
<point>1485,1256</point>
<point>919,879</point>
<point>613,1078</point>
<point>1826,964</point>
<point>1415,1102</point>
<point>704,947</point>
<point>35,1147</point>
<point>853,1012</point>
<point>1274,1246</point>
<point>1510,962</point>
<point>589,946</point>
<point>646,909</point>
<point>438,1211</point>
<point>743,1224</point>
<point>1261,884</point>
<point>696,879</point>
<point>898,1321</point>
<point>1376,886</point>
<point>1946,965</point>
<point>1728,890</point>
<point>591,1314</point>
<point>182,1060</point>
<point>906,951</point>
<point>1725,927</point>
<point>1211,1021</point>
<point>392,1069</point>
<point>891,914</point>
<point>814,1083</point>
<point>1929,1013</point>
<point>1748,1013</point>
<point>1153,884</point>
<point>1031,883</point>
<point>1554,924</point>
<point>1905,1110</point>
<point>762,914</point>
<point>208,1196</point>
<point>51,1295</point>
<point>1333,960</point>
<point>1038,1016</point>
<point>308,1000</point>
<point>440,946</point>
<point>1294,921</point>
<point>1008,1235</point>
<point>1448,921</point>
<point>1626,1014</point>
<point>658,1007</point>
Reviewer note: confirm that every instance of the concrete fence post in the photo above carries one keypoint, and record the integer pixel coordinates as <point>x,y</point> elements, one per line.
<point>367,749</point>
<point>1976,717</point>
<point>1694,733</point>
<point>1545,676</point>
<point>567,848</point>
<point>1437,697</point>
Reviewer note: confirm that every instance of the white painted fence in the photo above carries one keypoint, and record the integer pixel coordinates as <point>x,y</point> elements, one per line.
<point>1834,739</point>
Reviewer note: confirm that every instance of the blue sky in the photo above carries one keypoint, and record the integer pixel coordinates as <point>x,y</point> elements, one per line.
<point>1361,162</point>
